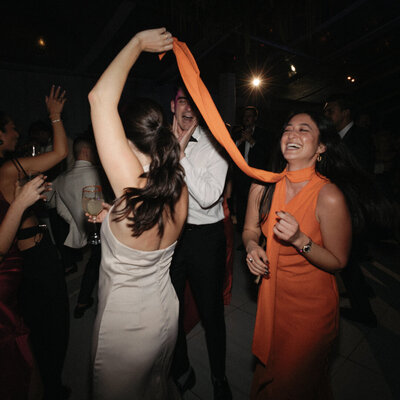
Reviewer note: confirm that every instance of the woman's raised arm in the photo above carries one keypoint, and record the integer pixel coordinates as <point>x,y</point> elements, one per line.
<point>118,159</point>
<point>55,103</point>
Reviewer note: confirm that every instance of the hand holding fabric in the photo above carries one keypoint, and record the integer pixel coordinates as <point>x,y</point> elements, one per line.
<point>155,40</point>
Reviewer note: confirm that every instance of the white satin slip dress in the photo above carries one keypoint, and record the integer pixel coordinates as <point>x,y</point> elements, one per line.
<point>136,324</point>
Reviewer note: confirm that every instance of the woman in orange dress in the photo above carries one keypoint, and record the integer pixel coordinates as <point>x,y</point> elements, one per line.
<point>305,219</point>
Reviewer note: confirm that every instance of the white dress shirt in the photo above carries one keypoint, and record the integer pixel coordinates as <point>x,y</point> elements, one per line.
<point>205,170</point>
<point>68,197</point>
<point>247,146</point>
<point>343,132</point>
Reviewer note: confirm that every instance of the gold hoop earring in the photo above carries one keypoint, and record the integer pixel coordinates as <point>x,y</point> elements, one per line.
<point>319,158</point>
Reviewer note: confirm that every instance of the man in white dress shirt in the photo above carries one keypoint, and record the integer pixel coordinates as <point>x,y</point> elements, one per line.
<point>200,253</point>
<point>68,191</point>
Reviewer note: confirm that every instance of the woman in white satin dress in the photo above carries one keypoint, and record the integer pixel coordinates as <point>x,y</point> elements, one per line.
<point>136,325</point>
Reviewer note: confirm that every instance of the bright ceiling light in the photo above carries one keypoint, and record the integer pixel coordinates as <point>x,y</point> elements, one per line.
<point>256,82</point>
<point>41,42</point>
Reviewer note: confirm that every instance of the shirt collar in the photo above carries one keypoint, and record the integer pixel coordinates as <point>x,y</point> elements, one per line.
<point>343,132</point>
<point>197,133</point>
<point>80,163</point>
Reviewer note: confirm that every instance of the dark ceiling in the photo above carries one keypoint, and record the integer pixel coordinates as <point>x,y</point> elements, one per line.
<point>326,42</point>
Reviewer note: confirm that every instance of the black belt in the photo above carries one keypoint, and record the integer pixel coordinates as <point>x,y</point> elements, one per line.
<point>32,231</point>
<point>192,227</point>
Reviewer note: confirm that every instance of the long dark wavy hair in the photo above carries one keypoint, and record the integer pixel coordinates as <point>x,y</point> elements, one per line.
<point>146,127</point>
<point>366,203</point>
<point>4,120</point>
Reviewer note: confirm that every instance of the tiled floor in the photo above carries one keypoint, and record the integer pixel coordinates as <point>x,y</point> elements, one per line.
<point>366,363</point>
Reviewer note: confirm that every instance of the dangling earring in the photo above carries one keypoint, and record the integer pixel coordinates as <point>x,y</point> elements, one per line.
<point>319,158</point>
<point>1,142</point>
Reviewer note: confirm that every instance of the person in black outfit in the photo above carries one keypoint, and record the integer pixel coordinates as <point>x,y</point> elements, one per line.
<point>251,140</point>
<point>339,109</point>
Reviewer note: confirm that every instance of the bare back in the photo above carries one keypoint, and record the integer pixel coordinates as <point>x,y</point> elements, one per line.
<point>150,239</point>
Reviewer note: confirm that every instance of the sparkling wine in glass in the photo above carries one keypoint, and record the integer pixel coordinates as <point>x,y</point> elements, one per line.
<point>92,199</point>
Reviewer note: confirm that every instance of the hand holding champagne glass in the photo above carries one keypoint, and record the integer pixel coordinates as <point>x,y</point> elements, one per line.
<point>92,203</point>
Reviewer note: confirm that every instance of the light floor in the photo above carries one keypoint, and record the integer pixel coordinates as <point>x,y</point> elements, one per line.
<point>366,364</point>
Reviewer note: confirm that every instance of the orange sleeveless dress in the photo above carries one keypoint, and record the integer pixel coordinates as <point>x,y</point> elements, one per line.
<point>297,316</point>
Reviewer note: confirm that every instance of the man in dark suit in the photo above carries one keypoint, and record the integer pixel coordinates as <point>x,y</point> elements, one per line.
<point>358,140</point>
<point>251,140</point>
<point>339,109</point>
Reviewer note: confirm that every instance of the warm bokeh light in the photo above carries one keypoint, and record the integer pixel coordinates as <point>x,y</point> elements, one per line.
<point>292,67</point>
<point>256,82</point>
<point>41,42</point>
<point>349,78</point>
<point>353,80</point>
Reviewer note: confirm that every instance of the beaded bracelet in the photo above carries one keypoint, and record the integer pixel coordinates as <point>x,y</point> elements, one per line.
<point>55,120</point>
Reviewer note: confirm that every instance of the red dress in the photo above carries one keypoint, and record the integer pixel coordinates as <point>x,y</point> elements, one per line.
<point>15,355</point>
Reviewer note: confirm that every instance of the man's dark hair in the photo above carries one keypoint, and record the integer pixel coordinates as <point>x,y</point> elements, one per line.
<point>344,101</point>
<point>179,84</point>
<point>253,109</point>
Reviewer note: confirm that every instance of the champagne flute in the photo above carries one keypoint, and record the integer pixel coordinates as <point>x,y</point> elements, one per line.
<point>92,200</point>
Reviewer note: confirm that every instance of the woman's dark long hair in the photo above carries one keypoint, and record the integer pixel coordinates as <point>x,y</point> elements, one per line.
<point>146,127</point>
<point>366,203</point>
<point>4,120</point>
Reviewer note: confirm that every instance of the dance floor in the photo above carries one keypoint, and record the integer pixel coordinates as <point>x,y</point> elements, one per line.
<point>366,364</point>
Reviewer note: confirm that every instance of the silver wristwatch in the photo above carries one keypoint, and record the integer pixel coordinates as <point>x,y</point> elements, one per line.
<point>306,248</point>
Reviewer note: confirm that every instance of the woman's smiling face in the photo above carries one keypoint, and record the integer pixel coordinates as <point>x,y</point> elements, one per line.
<point>300,144</point>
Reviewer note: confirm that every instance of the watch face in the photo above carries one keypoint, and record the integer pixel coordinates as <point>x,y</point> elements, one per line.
<point>307,248</point>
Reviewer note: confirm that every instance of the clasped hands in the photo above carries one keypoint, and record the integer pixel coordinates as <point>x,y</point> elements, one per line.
<point>286,229</point>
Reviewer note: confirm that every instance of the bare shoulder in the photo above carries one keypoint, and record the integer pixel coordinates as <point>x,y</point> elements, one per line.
<point>8,177</point>
<point>256,189</point>
<point>8,169</point>
<point>331,204</point>
<point>330,196</point>
<point>181,207</point>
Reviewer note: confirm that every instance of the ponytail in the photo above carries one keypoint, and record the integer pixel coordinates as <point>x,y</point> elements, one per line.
<point>144,207</point>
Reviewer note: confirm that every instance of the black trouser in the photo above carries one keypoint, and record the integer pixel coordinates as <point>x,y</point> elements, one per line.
<point>91,275</point>
<point>60,230</point>
<point>241,193</point>
<point>44,306</point>
<point>200,259</point>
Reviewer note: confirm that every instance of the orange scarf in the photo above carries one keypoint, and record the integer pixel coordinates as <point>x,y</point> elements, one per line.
<point>200,95</point>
